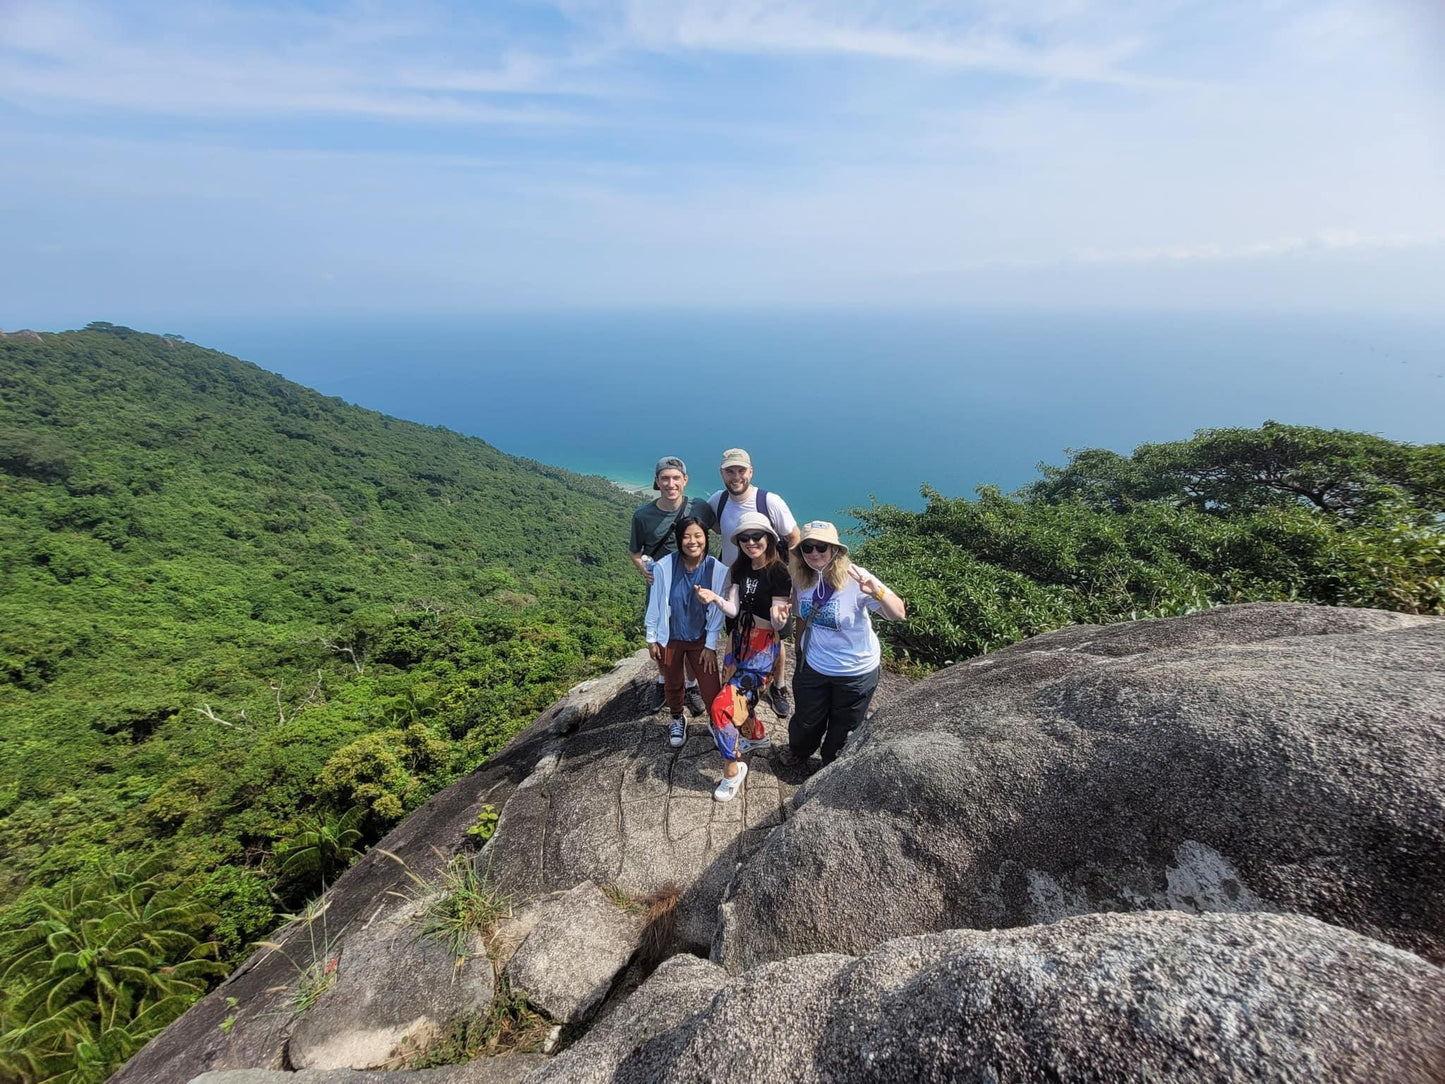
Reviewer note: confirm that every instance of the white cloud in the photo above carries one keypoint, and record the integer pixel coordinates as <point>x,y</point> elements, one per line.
<point>641,152</point>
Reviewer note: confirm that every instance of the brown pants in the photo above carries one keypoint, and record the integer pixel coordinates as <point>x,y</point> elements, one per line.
<point>673,655</point>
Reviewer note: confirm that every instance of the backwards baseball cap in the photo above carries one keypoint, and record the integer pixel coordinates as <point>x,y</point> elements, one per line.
<point>735,457</point>
<point>667,462</point>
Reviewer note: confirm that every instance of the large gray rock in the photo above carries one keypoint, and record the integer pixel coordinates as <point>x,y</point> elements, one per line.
<point>573,955</point>
<point>613,803</point>
<point>1161,997</point>
<point>649,1020</point>
<point>394,985</point>
<point>1263,757</point>
<point>505,1069</point>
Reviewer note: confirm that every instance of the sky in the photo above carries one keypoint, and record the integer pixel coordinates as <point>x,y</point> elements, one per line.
<point>165,162</point>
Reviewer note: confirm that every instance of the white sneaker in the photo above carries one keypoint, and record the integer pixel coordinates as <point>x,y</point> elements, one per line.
<point>728,789</point>
<point>677,732</point>
<point>747,745</point>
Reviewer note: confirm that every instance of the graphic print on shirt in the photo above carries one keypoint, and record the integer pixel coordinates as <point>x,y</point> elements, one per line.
<point>827,613</point>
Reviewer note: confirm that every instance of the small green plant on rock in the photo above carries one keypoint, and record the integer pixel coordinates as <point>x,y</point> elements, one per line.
<point>486,824</point>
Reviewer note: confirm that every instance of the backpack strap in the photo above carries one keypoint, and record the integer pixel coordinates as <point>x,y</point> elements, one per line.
<point>723,500</point>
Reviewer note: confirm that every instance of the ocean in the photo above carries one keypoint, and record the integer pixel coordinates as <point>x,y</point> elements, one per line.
<point>841,408</point>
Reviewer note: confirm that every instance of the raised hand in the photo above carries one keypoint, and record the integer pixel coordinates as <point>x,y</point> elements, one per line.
<point>867,583</point>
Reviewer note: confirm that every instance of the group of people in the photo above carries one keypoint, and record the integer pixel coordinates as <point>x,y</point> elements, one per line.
<point>775,581</point>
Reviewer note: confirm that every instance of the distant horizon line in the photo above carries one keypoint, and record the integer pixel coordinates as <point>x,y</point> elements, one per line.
<point>373,317</point>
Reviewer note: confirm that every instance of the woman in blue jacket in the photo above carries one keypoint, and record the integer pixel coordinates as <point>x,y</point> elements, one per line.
<point>680,625</point>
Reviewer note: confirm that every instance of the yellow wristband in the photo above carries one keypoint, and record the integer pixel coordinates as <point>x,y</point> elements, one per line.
<point>881,592</point>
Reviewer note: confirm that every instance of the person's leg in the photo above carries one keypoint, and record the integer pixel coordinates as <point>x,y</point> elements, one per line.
<point>780,694</point>
<point>810,713</point>
<point>848,699</point>
<point>707,680</point>
<point>671,666</point>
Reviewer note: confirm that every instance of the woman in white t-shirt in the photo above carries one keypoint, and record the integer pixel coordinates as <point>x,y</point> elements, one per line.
<point>838,653</point>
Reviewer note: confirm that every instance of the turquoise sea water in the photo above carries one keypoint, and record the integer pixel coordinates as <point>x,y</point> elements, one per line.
<point>838,407</point>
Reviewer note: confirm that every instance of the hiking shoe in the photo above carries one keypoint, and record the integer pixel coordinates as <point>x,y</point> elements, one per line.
<point>787,756</point>
<point>656,698</point>
<point>692,697</point>
<point>677,732</point>
<point>747,745</point>
<point>782,701</point>
<point>728,789</point>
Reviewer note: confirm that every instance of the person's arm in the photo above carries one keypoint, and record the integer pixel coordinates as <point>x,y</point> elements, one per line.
<point>727,605</point>
<point>715,613</point>
<point>783,521</point>
<point>641,563</point>
<point>634,546</point>
<point>779,611</point>
<point>889,604</point>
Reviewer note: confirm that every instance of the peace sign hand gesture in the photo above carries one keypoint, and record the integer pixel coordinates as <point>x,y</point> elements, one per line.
<point>867,583</point>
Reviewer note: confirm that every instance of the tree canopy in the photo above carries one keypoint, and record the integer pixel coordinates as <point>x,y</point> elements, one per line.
<point>244,629</point>
<point>1279,513</point>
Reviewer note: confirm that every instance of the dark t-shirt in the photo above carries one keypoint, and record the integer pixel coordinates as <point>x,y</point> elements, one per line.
<point>652,527</point>
<point>757,590</point>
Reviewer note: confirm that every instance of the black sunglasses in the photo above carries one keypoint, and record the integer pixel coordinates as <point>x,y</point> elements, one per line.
<point>814,547</point>
<point>751,537</point>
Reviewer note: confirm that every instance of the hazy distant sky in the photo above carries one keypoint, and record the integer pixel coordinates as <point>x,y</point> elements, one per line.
<point>164,160</point>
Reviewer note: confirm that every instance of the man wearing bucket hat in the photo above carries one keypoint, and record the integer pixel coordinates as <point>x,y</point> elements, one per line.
<point>838,652</point>
<point>652,538</point>
<point>738,497</point>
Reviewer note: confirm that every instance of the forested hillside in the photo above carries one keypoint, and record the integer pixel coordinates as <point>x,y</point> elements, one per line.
<point>244,629</point>
<point>1278,513</point>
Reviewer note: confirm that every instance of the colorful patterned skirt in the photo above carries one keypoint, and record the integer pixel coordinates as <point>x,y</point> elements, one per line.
<point>753,655</point>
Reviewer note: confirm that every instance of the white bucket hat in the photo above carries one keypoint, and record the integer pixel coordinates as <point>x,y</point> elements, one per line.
<point>753,521</point>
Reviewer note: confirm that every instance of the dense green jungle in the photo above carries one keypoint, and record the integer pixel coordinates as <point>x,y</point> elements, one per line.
<point>246,628</point>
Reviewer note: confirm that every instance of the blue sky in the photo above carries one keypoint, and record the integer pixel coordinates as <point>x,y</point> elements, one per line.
<point>167,161</point>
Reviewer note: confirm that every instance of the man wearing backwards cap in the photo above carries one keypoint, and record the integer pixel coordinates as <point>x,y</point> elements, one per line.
<point>651,539</point>
<point>742,496</point>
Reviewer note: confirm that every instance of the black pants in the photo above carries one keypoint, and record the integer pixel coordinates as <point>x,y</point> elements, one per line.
<point>826,709</point>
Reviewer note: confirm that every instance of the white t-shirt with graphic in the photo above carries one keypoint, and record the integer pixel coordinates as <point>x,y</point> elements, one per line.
<point>840,640</point>
<point>779,515</point>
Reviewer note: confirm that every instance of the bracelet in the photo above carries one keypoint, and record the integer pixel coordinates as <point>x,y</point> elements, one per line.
<point>881,592</point>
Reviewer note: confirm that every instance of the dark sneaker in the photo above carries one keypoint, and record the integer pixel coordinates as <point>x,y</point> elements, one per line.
<point>677,731</point>
<point>785,755</point>
<point>782,701</point>
<point>656,698</point>
<point>692,697</point>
